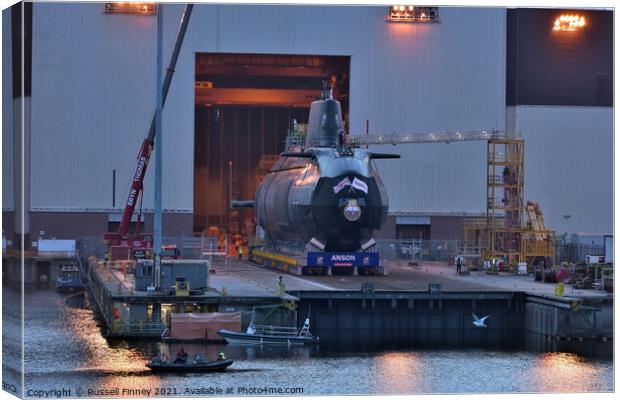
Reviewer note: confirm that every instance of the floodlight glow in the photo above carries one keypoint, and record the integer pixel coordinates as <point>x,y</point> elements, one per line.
<point>131,7</point>
<point>400,13</point>
<point>569,23</point>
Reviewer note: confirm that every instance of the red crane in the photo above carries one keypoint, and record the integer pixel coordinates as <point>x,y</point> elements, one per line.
<point>122,244</point>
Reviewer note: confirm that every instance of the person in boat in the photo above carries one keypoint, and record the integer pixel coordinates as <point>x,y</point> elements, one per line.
<point>181,356</point>
<point>221,356</point>
<point>161,358</point>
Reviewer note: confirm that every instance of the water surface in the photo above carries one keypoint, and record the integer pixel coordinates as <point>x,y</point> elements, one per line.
<point>64,349</point>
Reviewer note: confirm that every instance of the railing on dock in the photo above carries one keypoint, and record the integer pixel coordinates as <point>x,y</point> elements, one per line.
<point>411,249</point>
<point>275,330</point>
<point>417,250</point>
<point>140,328</point>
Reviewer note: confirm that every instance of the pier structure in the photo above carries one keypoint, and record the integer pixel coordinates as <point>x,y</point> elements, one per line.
<point>425,306</point>
<point>347,319</point>
<point>127,312</point>
<point>431,319</point>
<point>41,270</point>
<point>569,318</point>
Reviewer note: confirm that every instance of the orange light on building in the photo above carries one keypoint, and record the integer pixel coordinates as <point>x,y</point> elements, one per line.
<point>131,7</point>
<point>400,13</point>
<point>567,22</point>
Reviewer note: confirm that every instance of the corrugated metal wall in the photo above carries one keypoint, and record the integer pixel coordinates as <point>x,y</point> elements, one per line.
<point>569,165</point>
<point>7,113</point>
<point>93,93</point>
<point>93,97</point>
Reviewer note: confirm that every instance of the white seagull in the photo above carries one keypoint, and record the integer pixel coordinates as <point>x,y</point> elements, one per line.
<point>479,322</point>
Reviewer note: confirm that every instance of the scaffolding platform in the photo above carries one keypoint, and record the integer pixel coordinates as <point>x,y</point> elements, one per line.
<point>513,230</point>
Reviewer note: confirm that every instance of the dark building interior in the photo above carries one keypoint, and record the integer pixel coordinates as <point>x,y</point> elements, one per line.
<point>244,105</point>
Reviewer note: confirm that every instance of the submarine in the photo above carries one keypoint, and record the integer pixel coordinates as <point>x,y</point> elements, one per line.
<point>324,195</point>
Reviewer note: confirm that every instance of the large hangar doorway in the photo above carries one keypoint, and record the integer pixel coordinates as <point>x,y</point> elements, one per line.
<point>244,105</point>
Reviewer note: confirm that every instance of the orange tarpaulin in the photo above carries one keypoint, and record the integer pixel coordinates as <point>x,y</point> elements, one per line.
<point>191,326</point>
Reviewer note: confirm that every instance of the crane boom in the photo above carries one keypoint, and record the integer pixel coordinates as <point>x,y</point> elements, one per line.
<point>147,145</point>
<point>187,12</point>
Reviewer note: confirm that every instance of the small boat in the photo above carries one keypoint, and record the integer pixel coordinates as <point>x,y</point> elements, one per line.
<point>190,366</point>
<point>271,335</point>
<point>68,278</point>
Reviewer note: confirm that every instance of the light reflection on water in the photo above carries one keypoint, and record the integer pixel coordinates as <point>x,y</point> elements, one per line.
<point>554,372</point>
<point>64,346</point>
<point>398,372</point>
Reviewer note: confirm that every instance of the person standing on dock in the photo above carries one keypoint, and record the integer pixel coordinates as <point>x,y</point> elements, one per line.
<point>281,289</point>
<point>459,264</point>
<point>239,251</point>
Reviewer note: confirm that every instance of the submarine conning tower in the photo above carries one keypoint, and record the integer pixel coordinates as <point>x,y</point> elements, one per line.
<point>325,122</point>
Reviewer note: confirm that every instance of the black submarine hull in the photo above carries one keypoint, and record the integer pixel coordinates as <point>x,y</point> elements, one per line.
<point>324,192</point>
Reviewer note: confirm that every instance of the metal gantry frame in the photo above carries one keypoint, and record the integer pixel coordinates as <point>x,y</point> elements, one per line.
<point>505,178</point>
<point>422,137</point>
<point>504,233</point>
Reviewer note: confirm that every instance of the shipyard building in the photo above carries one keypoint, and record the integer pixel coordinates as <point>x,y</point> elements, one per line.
<point>246,71</point>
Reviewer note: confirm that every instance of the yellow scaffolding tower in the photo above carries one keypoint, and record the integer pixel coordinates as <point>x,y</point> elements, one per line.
<point>504,199</point>
<point>503,233</point>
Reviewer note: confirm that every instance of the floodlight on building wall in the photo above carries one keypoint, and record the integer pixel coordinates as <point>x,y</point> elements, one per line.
<point>567,22</point>
<point>131,7</point>
<point>403,13</point>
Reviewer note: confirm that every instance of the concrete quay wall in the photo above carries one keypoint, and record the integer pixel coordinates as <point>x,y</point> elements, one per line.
<point>569,318</point>
<point>414,319</point>
<point>384,319</point>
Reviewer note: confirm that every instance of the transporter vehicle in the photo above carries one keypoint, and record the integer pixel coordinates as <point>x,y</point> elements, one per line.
<point>322,201</point>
